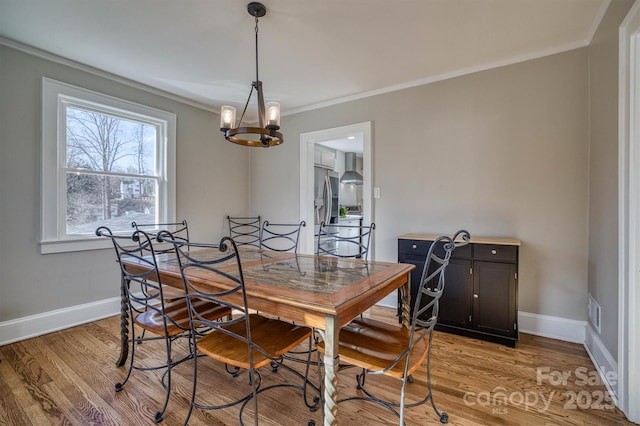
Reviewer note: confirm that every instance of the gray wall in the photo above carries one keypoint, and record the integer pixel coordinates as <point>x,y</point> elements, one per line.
<point>502,152</point>
<point>212,181</point>
<point>603,171</point>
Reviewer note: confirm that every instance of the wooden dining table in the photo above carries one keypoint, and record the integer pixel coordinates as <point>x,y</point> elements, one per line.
<point>318,291</point>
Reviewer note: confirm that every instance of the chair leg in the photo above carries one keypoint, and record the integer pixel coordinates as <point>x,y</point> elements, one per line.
<point>360,379</point>
<point>255,381</point>
<point>160,414</point>
<point>316,400</point>
<point>120,385</point>
<point>192,344</point>
<point>360,385</point>
<point>235,371</point>
<point>444,417</point>
<point>254,397</point>
<point>402,392</point>
<point>312,406</point>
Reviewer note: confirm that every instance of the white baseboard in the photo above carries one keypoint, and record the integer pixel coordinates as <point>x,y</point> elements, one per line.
<point>47,322</point>
<point>605,364</point>
<point>553,327</point>
<point>576,332</point>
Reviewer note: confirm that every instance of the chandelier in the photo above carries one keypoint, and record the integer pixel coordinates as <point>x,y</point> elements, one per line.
<point>266,134</point>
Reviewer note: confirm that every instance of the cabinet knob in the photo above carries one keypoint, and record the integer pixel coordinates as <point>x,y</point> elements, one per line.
<point>475,295</point>
<point>494,251</point>
<point>414,246</point>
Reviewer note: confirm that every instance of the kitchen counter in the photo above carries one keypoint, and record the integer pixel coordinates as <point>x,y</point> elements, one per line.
<point>349,217</point>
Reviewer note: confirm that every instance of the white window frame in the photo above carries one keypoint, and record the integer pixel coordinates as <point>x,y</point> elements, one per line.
<point>55,95</point>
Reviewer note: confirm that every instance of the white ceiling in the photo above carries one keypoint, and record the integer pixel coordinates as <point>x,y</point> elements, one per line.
<point>351,144</point>
<point>312,53</point>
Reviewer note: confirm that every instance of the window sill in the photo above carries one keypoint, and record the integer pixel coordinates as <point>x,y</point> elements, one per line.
<point>70,245</point>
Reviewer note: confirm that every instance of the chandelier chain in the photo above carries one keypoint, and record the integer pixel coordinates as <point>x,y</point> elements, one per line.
<point>257,48</point>
<point>252,86</point>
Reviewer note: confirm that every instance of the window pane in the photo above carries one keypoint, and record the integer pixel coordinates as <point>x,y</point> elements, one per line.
<point>95,200</point>
<point>97,141</point>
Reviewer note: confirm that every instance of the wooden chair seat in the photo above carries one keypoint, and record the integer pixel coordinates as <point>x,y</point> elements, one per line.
<point>170,293</point>
<point>374,345</point>
<point>274,336</point>
<point>178,311</point>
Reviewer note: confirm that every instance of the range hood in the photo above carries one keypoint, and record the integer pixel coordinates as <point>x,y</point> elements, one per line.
<point>350,175</point>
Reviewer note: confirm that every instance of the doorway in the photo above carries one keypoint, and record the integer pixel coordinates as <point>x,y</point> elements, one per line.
<point>333,136</point>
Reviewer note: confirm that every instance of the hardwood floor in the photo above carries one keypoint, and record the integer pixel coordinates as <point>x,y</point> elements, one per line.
<point>68,377</point>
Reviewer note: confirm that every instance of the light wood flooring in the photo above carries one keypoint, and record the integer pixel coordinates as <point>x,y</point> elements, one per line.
<point>68,377</point>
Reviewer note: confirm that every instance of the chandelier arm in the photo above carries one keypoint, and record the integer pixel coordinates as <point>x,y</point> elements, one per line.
<point>261,110</point>
<point>245,106</point>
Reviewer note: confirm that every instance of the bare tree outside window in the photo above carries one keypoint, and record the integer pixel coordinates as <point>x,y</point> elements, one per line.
<point>111,177</point>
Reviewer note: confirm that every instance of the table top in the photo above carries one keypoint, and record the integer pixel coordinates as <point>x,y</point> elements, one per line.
<point>299,287</point>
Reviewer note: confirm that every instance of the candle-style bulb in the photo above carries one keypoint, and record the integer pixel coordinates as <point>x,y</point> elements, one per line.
<point>273,115</point>
<point>227,117</point>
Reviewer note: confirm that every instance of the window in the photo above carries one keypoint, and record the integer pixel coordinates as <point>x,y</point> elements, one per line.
<point>105,161</point>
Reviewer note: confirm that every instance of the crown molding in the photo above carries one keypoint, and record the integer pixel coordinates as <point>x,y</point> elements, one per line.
<point>43,54</point>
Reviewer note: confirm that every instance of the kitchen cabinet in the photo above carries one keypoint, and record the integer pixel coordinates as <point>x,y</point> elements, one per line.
<point>481,286</point>
<point>345,248</point>
<point>326,159</point>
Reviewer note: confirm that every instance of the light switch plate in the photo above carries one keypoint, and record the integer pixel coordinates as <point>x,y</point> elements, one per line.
<point>376,192</point>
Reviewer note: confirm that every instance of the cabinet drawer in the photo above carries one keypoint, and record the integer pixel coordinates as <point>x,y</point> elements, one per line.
<point>494,252</point>
<point>421,248</point>
<point>414,247</point>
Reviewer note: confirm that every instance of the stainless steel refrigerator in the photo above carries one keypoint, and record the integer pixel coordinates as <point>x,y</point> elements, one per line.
<point>326,197</point>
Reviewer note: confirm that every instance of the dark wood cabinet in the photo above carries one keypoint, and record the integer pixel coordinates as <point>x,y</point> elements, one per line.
<point>480,298</point>
<point>455,298</point>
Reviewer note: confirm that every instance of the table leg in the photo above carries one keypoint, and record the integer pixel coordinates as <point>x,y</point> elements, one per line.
<point>124,324</point>
<point>331,362</point>
<point>405,297</point>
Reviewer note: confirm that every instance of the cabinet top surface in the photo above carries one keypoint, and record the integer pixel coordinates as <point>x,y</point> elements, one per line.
<point>476,240</point>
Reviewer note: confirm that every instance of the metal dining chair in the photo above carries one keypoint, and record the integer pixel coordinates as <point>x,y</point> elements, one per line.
<point>281,237</point>
<point>148,309</point>
<point>180,230</point>
<point>379,348</point>
<point>245,231</point>
<point>246,341</point>
<point>344,241</point>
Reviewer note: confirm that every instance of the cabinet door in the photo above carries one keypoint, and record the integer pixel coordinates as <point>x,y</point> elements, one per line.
<point>455,303</point>
<point>349,248</point>
<point>494,298</point>
<point>329,159</point>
